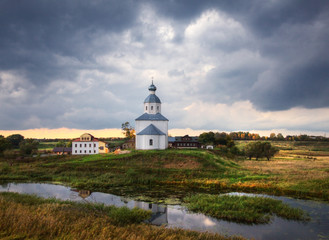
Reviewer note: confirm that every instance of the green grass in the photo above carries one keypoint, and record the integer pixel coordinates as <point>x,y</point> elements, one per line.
<point>243,209</point>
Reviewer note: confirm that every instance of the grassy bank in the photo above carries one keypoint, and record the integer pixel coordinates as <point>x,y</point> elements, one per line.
<point>243,209</point>
<point>30,217</point>
<point>171,174</point>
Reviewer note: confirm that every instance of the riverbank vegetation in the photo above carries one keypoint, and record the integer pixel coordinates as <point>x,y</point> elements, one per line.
<point>30,217</point>
<point>243,209</point>
<point>300,171</point>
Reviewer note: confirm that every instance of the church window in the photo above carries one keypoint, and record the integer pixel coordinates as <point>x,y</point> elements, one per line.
<point>158,108</point>
<point>146,108</point>
<point>151,107</point>
<point>151,142</point>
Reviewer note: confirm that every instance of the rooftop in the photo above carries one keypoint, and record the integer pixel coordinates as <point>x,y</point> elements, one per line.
<point>151,130</point>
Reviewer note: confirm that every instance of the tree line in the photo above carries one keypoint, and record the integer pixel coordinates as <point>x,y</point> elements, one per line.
<point>273,137</point>
<point>17,142</point>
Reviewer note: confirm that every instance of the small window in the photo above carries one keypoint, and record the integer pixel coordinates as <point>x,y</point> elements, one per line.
<point>76,145</point>
<point>76,151</point>
<point>146,108</point>
<point>158,108</point>
<point>94,144</point>
<point>80,151</point>
<point>151,107</point>
<point>80,145</point>
<point>89,151</point>
<point>85,144</point>
<point>151,142</point>
<point>94,151</point>
<point>85,151</point>
<point>89,144</point>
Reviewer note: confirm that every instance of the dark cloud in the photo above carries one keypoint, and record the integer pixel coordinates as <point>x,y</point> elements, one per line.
<point>33,33</point>
<point>87,64</point>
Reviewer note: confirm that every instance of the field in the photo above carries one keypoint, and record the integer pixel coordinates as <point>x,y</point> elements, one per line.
<point>301,166</point>
<point>299,170</point>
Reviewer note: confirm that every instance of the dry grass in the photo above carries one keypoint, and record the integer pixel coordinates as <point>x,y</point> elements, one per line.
<point>295,170</point>
<point>19,220</point>
<point>187,164</point>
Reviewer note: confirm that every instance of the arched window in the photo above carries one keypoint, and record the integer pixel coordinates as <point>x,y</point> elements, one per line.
<point>146,108</point>
<point>158,108</point>
<point>151,142</point>
<point>151,107</point>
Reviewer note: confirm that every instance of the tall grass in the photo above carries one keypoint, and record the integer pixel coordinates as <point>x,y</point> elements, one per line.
<point>30,217</point>
<point>243,209</point>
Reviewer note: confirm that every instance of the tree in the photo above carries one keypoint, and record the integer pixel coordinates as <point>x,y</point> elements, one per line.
<point>268,150</point>
<point>4,144</point>
<point>207,138</point>
<point>272,136</point>
<point>128,130</point>
<point>220,138</point>
<point>260,149</point>
<point>280,136</point>
<point>15,140</point>
<point>28,146</point>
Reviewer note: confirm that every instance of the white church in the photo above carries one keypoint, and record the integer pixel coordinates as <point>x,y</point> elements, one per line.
<point>152,126</point>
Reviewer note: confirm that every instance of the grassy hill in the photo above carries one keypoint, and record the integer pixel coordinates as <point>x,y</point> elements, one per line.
<point>173,174</point>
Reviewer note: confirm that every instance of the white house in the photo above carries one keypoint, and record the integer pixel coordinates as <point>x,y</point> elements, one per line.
<point>88,144</point>
<point>152,126</point>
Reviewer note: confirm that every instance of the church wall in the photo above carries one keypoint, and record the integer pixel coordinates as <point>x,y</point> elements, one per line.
<point>142,142</point>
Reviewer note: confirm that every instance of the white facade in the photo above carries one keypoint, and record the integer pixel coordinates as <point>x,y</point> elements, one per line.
<point>85,148</point>
<point>152,127</point>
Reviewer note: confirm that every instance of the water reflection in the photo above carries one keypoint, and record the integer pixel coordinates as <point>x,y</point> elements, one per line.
<point>178,216</point>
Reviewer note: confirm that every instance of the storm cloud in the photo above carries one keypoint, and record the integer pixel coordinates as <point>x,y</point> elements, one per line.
<point>87,64</point>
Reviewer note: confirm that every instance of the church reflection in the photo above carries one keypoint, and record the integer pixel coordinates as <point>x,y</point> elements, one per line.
<point>159,213</point>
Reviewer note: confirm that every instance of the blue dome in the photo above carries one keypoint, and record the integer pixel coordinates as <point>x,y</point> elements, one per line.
<point>152,87</point>
<point>152,98</point>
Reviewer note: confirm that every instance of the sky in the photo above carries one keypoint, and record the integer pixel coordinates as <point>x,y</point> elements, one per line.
<point>258,66</point>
